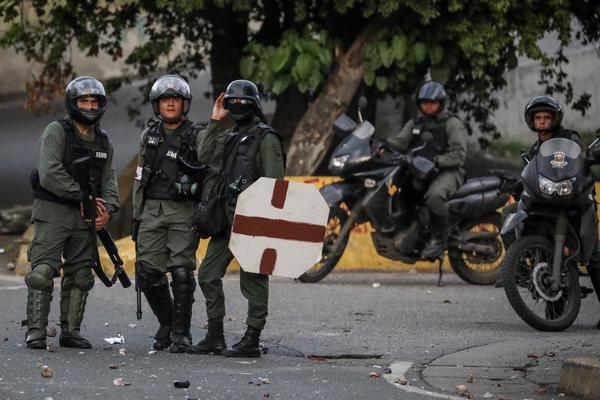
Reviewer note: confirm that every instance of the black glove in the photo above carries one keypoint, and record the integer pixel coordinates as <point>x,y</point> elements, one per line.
<point>135,228</point>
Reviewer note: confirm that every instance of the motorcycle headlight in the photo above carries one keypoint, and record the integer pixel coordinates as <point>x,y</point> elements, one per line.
<point>549,187</point>
<point>340,161</point>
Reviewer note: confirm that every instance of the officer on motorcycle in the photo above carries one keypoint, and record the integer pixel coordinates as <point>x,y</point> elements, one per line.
<point>448,150</point>
<point>543,115</point>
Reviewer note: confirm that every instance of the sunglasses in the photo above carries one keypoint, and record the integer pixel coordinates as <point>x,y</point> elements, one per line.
<point>239,101</point>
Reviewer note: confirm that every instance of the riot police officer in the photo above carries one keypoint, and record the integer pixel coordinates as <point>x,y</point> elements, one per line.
<point>543,115</point>
<point>165,185</point>
<point>448,150</point>
<point>62,237</point>
<point>243,154</point>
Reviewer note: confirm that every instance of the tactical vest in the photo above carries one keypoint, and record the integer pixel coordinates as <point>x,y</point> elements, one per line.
<point>561,133</point>
<point>162,156</point>
<point>437,127</point>
<point>75,148</point>
<point>240,168</point>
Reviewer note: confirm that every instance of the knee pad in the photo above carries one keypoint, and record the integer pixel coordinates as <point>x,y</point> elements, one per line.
<point>41,277</point>
<point>84,279</point>
<point>183,277</point>
<point>150,278</point>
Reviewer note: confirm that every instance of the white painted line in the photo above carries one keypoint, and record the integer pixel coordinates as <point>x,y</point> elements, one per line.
<point>13,287</point>
<point>397,375</point>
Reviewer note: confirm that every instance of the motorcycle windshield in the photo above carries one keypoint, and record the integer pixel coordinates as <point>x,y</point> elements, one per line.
<point>355,149</point>
<point>559,159</point>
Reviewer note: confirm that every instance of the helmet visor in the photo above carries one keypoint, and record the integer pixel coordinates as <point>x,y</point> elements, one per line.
<point>170,86</point>
<point>85,87</point>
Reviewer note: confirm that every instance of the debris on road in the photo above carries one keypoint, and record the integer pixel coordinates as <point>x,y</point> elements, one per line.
<point>132,326</point>
<point>488,395</point>
<point>258,381</point>
<point>10,266</point>
<point>51,331</point>
<point>47,372</point>
<point>151,351</point>
<point>122,351</point>
<point>470,379</point>
<point>181,384</point>
<point>119,339</point>
<point>446,301</point>
<point>387,370</point>
<point>401,381</point>
<point>121,382</point>
<point>374,374</point>
<point>113,366</point>
<point>533,356</point>
<point>462,390</point>
<point>317,358</point>
<point>376,285</point>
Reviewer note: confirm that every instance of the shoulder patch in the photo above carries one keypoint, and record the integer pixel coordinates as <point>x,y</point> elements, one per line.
<point>49,141</point>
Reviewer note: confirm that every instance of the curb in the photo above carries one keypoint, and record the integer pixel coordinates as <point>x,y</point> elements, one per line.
<point>580,377</point>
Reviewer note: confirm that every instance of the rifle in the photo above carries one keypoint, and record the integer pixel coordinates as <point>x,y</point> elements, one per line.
<point>83,176</point>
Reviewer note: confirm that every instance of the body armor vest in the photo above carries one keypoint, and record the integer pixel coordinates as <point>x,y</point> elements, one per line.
<point>240,169</point>
<point>162,156</point>
<point>75,148</point>
<point>437,127</point>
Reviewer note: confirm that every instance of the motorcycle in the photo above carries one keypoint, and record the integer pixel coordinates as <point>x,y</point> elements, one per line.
<point>387,190</point>
<point>555,230</point>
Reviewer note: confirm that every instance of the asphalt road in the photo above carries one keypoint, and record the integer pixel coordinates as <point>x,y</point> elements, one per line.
<point>323,341</point>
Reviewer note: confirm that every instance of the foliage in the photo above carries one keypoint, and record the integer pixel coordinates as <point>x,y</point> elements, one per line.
<point>468,45</point>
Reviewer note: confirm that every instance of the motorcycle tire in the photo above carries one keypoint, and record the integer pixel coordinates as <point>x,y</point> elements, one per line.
<point>471,269</point>
<point>523,295</point>
<point>337,218</point>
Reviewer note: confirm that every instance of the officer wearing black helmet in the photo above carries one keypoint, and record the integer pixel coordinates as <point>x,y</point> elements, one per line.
<point>165,186</point>
<point>448,150</point>
<point>62,238</point>
<point>543,115</point>
<point>242,154</point>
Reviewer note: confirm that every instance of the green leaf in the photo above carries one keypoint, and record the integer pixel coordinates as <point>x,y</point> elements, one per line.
<point>369,77</point>
<point>247,67</point>
<point>325,57</point>
<point>382,83</point>
<point>419,51</point>
<point>386,54</point>
<point>281,83</point>
<point>315,80</point>
<point>436,54</point>
<point>399,47</point>
<point>280,58</point>
<point>304,66</point>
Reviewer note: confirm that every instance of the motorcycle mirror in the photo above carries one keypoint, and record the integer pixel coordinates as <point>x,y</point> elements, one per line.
<point>362,103</point>
<point>427,137</point>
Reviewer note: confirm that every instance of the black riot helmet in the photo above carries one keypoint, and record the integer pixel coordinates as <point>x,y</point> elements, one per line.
<point>82,87</point>
<point>168,86</point>
<point>432,90</point>
<point>543,103</point>
<point>242,100</point>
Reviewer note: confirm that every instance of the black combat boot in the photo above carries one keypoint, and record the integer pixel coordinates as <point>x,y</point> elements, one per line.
<point>214,341</point>
<point>183,285</point>
<point>161,303</point>
<point>72,302</point>
<point>439,237</point>
<point>247,347</point>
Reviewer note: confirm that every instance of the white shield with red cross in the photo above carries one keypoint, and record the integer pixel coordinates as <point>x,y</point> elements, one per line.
<point>278,227</point>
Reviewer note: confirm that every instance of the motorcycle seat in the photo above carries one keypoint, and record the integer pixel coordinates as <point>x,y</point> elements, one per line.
<point>476,185</point>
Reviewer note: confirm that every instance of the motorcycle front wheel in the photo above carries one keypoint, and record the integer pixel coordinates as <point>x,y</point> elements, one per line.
<point>480,269</point>
<point>337,219</point>
<point>527,269</point>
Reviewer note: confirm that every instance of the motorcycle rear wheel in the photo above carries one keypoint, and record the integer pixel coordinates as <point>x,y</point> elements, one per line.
<point>528,262</point>
<point>477,269</point>
<point>337,219</point>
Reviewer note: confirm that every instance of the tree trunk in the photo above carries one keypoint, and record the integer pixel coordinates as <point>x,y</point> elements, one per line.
<point>312,136</point>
